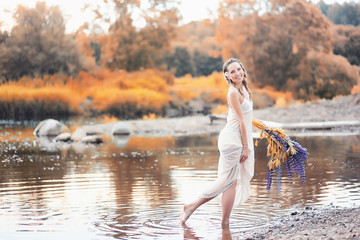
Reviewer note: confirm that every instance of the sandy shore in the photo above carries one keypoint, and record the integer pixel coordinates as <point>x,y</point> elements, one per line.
<point>345,108</point>
<point>338,109</point>
<point>323,223</point>
<point>175,126</point>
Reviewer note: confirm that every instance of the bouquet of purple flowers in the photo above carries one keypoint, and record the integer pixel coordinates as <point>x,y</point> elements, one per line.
<point>283,153</point>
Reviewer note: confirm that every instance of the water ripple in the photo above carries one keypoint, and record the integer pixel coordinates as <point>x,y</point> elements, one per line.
<point>130,192</point>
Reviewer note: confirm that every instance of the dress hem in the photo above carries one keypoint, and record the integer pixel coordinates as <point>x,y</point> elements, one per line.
<point>218,192</point>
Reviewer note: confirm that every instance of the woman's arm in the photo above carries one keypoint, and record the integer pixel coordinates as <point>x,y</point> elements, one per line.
<point>234,99</point>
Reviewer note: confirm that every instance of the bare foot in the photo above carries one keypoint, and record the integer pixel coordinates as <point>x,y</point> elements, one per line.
<point>186,214</point>
<point>226,234</point>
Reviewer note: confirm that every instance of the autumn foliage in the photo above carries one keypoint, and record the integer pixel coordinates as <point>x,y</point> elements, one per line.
<point>22,102</point>
<point>114,92</point>
<point>188,88</point>
<point>290,47</point>
<point>291,50</point>
<point>38,45</point>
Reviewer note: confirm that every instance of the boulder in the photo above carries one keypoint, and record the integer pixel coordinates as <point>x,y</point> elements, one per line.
<point>95,139</point>
<point>50,127</point>
<point>79,134</point>
<point>93,129</point>
<point>84,131</point>
<point>120,128</point>
<point>63,137</point>
<point>46,144</point>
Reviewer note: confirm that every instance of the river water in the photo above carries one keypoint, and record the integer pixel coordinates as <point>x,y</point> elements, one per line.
<point>135,187</point>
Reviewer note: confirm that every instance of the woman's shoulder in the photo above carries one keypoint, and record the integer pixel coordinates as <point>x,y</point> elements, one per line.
<point>233,92</point>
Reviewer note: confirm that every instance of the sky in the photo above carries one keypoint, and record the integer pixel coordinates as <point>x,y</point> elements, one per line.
<point>191,10</point>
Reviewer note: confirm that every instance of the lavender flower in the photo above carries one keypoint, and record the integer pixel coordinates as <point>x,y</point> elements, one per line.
<point>288,168</point>
<point>293,163</point>
<point>269,178</point>
<point>278,178</point>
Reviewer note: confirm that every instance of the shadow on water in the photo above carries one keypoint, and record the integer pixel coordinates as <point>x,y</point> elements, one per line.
<point>134,188</point>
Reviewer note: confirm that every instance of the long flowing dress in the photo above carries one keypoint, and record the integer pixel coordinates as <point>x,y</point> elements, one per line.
<point>230,148</point>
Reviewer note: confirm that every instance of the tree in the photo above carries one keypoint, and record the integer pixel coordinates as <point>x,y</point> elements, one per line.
<point>180,62</point>
<point>285,48</point>
<point>347,43</point>
<point>131,48</point>
<point>323,7</point>
<point>198,39</point>
<point>205,64</point>
<point>345,14</point>
<point>38,45</point>
<point>327,76</point>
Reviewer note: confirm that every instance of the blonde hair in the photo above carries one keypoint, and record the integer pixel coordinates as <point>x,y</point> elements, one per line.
<point>230,82</point>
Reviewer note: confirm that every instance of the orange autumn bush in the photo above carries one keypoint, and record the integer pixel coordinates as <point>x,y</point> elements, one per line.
<point>109,119</point>
<point>355,89</point>
<point>120,94</point>
<point>279,98</point>
<point>11,92</point>
<point>106,97</point>
<point>212,88</point>
<point>150,116</point>
<point>220,109</point>
<point>117,92</point>
<point>129,95</point>
<point>23,102</point>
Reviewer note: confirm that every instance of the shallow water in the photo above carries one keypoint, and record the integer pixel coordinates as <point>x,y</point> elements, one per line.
<point>134,188</point>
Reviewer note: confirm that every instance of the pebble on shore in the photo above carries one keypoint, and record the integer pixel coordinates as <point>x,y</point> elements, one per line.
<point>323,223</point>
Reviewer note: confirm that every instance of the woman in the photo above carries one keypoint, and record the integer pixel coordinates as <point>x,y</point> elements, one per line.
<point>235,143</point>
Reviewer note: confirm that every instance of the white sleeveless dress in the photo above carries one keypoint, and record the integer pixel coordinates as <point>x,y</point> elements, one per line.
<point>230,148</point>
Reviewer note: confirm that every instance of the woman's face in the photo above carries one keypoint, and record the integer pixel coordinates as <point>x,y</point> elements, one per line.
<point>236,73</point>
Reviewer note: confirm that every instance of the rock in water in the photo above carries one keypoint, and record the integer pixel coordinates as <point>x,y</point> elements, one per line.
<point>92,139</point>
<point>79,134</point>
<point>63,137</point>
<point>50,127</point>
<point>85,131</point>
<point>120,128</point>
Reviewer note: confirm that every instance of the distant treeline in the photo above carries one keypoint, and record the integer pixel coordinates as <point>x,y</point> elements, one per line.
<point>347,13</point>
<point>289,45</point>
<point>347,38</point>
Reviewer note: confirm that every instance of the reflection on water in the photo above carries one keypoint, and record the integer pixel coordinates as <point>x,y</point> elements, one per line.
<point>134,188</point>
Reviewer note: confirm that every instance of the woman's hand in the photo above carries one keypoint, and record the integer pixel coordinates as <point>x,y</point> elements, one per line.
<point>245,154</point>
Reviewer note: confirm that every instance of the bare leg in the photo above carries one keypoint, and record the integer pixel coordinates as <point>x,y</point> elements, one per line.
<point>227,201</point>
<point>191,207</point>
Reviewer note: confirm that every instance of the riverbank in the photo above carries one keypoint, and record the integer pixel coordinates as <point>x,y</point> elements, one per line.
<point>346,108</point>
<point>322,223</point>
